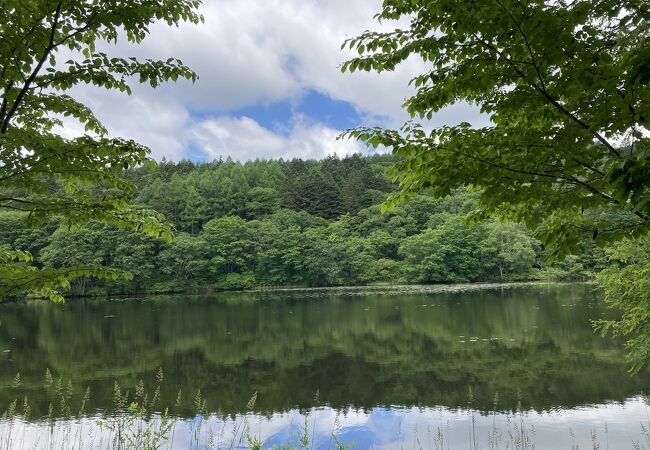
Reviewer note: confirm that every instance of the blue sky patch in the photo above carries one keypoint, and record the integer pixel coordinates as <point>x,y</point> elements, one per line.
<point>333,113</point>
<point>312,106</point>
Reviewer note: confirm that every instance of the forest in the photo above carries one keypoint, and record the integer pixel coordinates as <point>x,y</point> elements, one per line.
<point>307,223</point>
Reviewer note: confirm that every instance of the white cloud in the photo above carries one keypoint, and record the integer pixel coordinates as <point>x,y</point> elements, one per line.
<point>168,129</point>
<point>249,52</point>
<point>252,52</point>
<point>160,124</point>
<point>247,139</point>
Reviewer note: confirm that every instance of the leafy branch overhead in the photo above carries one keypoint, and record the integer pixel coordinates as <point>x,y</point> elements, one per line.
<point>47,48</point>
<point>566,86</point>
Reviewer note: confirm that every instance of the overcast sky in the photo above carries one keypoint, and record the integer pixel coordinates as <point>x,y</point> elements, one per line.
<point>269,84</point>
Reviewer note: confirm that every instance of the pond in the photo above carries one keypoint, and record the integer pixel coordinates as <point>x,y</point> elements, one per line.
<point>502,366</point>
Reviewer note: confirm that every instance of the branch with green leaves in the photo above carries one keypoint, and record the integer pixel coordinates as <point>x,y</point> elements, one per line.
<point>566,86</point>
<point>73,179</point>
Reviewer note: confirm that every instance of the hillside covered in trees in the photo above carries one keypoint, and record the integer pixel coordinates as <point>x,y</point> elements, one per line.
<point>291,223</point>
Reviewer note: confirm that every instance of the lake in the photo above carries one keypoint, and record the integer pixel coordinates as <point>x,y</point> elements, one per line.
<point>461,367</point>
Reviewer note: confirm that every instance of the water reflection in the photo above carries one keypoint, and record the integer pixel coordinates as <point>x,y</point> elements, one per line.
<point>391,356</point>
<point>610,425</point>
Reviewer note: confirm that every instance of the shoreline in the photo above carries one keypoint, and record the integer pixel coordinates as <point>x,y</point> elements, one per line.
<point>352,290</point>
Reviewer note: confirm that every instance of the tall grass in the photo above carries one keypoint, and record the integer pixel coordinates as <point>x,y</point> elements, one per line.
<point>137,421</point>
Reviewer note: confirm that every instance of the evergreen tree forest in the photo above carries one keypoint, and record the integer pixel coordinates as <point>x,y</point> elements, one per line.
<point>297,223</point>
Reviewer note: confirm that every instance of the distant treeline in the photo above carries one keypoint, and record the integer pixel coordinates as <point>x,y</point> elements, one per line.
<point>292,223</point>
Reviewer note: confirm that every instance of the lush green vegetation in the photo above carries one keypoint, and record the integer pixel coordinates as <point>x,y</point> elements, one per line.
<point>561,173</point>
<point>562,82</point>
<point>290,223</point>
<point>48,48</point>
<point>627,288</point>
<point>566,85</point>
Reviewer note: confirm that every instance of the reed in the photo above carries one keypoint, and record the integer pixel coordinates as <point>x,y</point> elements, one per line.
<point>137,421</point>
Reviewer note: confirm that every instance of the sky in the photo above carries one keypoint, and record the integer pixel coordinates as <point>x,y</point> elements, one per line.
<point>270,84</point>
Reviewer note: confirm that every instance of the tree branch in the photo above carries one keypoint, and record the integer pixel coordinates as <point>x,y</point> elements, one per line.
<point>523,35</point>
<point>571,180</point>
<point>542,91</point>
<point>37,69</point>
<point>3,108</point>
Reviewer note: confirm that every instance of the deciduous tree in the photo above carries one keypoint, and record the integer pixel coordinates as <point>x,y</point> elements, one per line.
<point>47,48</point>
<point>566,86</point>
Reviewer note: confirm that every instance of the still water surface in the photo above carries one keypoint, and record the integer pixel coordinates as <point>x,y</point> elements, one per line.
<point>402,368</point>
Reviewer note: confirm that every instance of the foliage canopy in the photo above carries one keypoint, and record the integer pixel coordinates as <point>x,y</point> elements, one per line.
<point>47,48</point>
<point>245,225</point>
<point>564,83</point>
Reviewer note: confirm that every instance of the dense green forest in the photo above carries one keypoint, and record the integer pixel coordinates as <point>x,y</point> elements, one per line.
<point>291,223</point>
